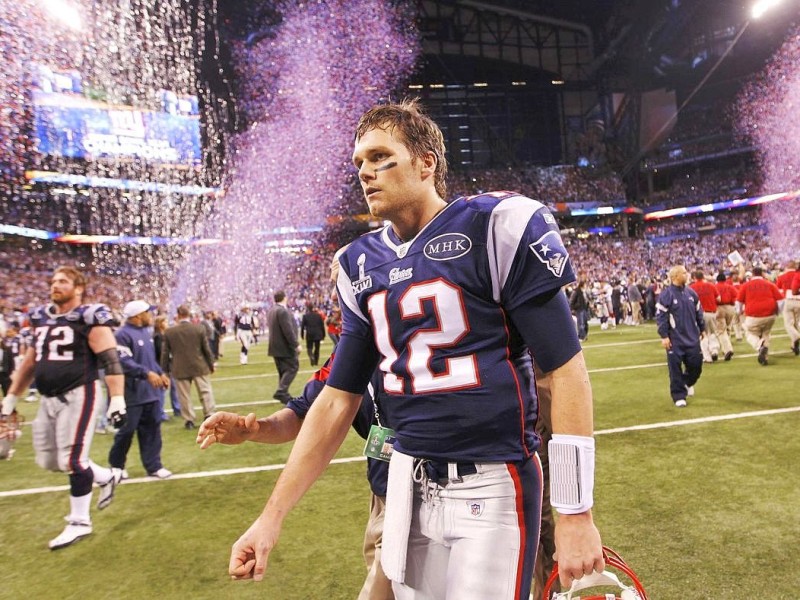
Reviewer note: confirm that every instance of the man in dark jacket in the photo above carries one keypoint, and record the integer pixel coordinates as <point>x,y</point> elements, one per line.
<point>312,329</point>
<point>187,356</point>
<point>10,346</point>
<point>143,381</point>
<point>579,305</point>
<point>283,346</point>
<point>679,316</point>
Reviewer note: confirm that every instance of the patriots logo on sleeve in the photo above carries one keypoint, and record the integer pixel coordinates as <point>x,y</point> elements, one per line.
<point>550,251</point>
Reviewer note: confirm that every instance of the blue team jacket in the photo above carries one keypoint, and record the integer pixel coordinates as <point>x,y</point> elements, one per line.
<point>679,316</point>
<point>137,353</point>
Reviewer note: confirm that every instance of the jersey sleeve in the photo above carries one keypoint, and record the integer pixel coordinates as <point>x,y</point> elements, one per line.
<point>99,315</point>
<point>357,355</point>
<point>548,330</point>
<point>527,256</point>
<point>302,404</point>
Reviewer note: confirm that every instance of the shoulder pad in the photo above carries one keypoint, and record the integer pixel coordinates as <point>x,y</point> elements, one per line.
<point>492,199</point>
<point>97,314</point>
<point>37,314</point>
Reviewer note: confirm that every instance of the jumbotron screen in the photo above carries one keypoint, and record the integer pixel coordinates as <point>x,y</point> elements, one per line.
<point>68,122</point>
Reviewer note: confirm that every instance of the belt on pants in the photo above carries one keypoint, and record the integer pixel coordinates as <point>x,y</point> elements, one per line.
<point>436,469</point>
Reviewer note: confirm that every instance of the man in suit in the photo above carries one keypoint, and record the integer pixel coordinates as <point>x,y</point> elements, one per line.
<point>283,345</point>
<point>187,356</point>
<point>312,329</point>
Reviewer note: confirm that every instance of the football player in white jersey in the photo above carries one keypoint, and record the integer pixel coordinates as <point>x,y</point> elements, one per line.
<point>243,326</point>
<point>71,341</point>
<point>443,300</point>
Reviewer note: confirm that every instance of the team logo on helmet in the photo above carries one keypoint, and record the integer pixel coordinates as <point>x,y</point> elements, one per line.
<point>549,249</point>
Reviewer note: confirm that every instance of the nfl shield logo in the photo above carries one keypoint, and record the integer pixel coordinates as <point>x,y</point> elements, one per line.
<point>475,507</point>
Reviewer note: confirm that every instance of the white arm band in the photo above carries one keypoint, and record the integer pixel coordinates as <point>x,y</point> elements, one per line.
<point>571,460</point>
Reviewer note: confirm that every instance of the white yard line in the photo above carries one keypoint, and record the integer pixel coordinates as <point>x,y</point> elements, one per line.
<point>682,422</point>
<point>351,459</point>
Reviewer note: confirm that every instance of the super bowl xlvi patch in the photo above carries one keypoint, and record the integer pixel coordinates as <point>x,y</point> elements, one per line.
<point>549,249</point>
<point>475,507</point>
<point>364,282</point>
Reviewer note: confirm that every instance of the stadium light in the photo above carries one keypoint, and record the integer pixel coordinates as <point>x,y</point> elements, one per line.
<point>762,6</point>
<point>65,13</point>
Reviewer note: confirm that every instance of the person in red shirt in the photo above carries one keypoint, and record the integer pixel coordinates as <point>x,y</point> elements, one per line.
<point>725,313</point>
<point>791,304</point>
<point>736,280</point>
<point>759,301</point>
<point>708,300</point>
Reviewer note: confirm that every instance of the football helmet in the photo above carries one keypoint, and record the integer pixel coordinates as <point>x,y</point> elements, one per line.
<point>608,578</point>
<point>9,432</point>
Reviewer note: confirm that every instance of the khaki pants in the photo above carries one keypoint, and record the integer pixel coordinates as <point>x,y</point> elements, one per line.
<point>636,313</point>
<point>791,318</point>
<point>376,586</point>
<point>203,384</point>
<point>547,542</point>
<point>757,331</point>
<point>725,314</point>
<point>710,342</point>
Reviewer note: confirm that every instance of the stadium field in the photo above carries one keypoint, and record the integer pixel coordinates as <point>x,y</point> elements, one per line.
<point>701,501</point>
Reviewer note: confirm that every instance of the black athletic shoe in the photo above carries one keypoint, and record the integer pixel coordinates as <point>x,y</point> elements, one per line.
<point>796,347</point>
<point>728,355</point>
<point>762,355</point>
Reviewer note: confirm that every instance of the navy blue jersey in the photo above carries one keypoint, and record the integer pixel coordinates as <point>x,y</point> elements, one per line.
<point>377,470</point>
<point>437,308</point>
<point>244,322</point>
<point>679,316</point>
<point>64,360</point>
<point>15,345</point>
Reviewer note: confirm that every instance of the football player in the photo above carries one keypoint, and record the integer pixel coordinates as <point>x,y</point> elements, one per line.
<point>243,326</point>
<point>71,341</point>
<point>441,300</point>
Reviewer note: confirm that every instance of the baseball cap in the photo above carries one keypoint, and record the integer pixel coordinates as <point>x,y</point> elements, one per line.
<point>136,307</point>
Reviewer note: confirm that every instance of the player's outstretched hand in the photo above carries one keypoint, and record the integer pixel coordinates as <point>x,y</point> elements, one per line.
<point>226,428</point>
<point>579,550</point>
<point>250,553</point>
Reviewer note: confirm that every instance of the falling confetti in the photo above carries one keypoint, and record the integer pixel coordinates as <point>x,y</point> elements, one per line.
<point>767,112</point>
<point>305,82</point>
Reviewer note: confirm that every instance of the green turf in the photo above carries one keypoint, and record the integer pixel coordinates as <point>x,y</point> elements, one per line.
<point>701,509</point>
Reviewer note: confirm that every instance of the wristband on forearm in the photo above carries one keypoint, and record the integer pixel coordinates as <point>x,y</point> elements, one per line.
<point>571,460</point>
<point>9,404</point>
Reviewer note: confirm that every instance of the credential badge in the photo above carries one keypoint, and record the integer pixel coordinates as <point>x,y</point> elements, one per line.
<point>550,251</point>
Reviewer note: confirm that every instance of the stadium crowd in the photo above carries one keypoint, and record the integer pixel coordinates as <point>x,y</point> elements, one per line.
<point>24,265</point>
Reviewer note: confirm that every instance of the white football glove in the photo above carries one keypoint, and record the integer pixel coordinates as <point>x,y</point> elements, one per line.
<point>9,404</point>
<point>117,411</point>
